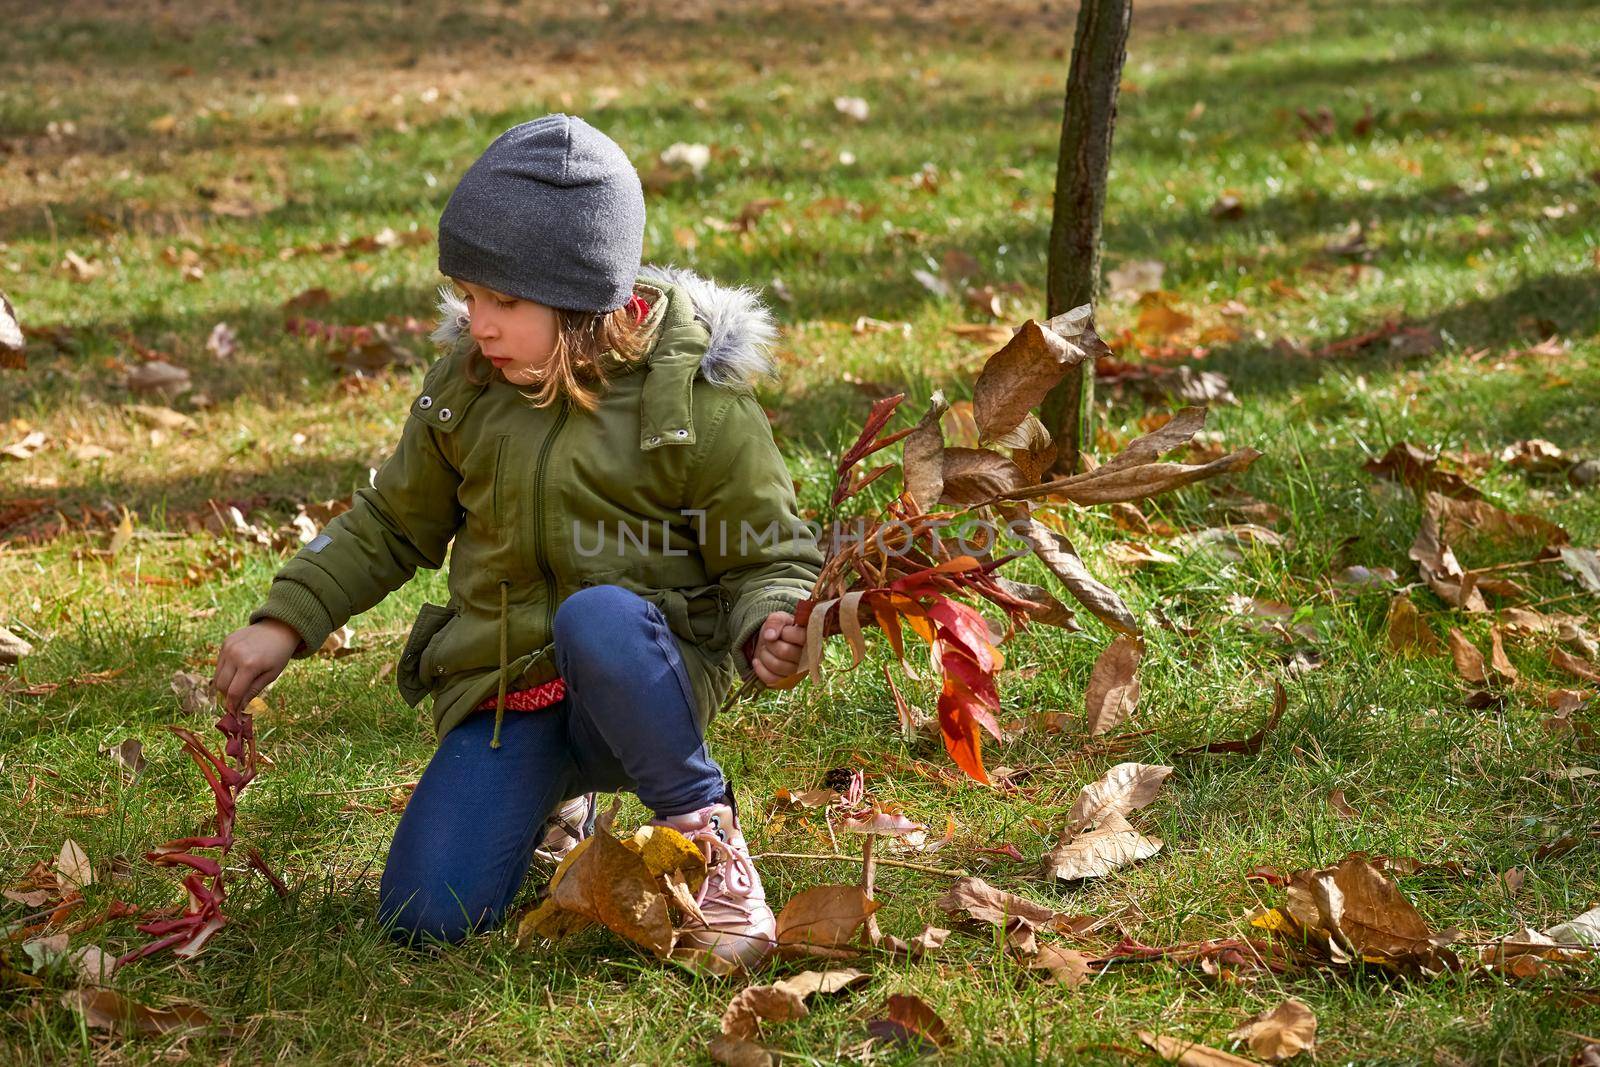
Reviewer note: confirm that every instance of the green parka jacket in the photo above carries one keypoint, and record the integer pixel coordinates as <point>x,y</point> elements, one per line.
<point>672,488</point>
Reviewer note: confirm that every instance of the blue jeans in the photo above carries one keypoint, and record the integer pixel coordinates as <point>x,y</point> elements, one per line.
<point>467,837</point>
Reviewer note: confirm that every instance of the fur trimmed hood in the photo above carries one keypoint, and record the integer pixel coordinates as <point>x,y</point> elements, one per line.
<point>741,327</point>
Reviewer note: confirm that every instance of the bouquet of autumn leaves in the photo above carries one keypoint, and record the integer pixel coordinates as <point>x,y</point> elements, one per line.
<point>899,573</point>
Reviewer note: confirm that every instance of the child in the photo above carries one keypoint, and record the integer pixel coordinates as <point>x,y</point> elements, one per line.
<point>626,544</point>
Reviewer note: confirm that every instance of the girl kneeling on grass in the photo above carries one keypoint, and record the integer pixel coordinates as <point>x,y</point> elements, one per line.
<point>626,544</point>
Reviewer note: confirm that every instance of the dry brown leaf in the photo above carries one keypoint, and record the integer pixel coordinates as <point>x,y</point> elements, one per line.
<point>105,1009</point>
<point>974,475</point>
<point>907,1020</point>
<point>1176,432</point>
<point>1280,1034</point>
<point>1134,277</point>
<point>737,1052</point>
<point>1113,691</point>
<point>1016,378</point>
<point>1417,469</point>
<point>1473,520</point>
<point>822,921</point>
<point>1189,1053</point>
<point>1136,554</point>
<point>1067,966</point>
<point>1017,916</point>
<point>1499,664</point>
<point>1408,633</point>
<point>1359,577</point>
<point>73,869</point>
<point>161,418</point>
<point>782,1000</point>
<point>1123,789</point>
<point>129,755</point>
<point>158,376</point>
<point>1352,912</point>
<point>922,456</point>
<point>1574,666</point>
<point>1050,611</point>
<point>12,647</point>
<point>1585,563</point>
<point>1469,661</point>
<point>26,448</point>
<point>606,881</point>
<point>1112,844</point>
<point>1535,454</point>
<point>1062,559</point>
<point>1341,806</point>
<point>1112,485</point>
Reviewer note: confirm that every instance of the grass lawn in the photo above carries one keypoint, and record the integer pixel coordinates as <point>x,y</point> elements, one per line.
<point>183,152</point>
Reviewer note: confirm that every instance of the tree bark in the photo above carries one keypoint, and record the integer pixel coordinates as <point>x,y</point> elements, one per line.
<point>1088,118</point>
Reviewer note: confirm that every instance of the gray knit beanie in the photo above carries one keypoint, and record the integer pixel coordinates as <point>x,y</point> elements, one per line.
<point>552,211</point>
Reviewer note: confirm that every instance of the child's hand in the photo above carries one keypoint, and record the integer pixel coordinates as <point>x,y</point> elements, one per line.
<point>251,658</point>
<point>778,645</point>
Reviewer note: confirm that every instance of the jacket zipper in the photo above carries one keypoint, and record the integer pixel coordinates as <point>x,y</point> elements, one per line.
<point>538,524</point>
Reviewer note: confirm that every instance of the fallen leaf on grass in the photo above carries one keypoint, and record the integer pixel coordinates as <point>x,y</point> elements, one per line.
<point>823,920</point>
<point>615,884</point>
<point>1352,913</point>
<point>129,755</point>
<point>1113,691</point>
<point>1019,917</point>
<point>1067,966</point>
<point>783,1000</point>
<point>1123,789</point>
<point>26,448</point>
<point>1464,521</point>
<point>1585,563</point>
<point>1574,666</point>
<point>1417,469</point>
<point>157,376</point>
<point>1279,1034</point>
<point>738,1052</point>
<point>1189,1053</point>
<point>12,647</point>
<point>1524,953</point>
<point>1359,577</point>
<point>1408,633</point>
<point>73,869</point>
<point>161,418</point>
<point>105,1009</point>
<point>1112,844</point>
<point>1134,277</point>
<point>1341,807</point>
<point>908,1022</point>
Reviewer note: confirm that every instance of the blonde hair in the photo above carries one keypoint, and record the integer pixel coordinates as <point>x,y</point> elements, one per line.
<point>574,371</point>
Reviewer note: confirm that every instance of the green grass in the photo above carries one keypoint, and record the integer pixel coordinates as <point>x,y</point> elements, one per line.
<point>1483,121</point>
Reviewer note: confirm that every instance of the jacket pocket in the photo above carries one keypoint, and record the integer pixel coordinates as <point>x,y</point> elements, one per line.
<point>497,493</point>
<point>408,674</point>
<point>699,613</point>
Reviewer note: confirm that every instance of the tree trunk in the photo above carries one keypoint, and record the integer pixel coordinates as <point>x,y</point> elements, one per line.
<point>1088,117</point>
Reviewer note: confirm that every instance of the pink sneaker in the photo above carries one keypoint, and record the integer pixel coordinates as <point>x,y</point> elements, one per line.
<point>740,929</point>
<point>568,825</point>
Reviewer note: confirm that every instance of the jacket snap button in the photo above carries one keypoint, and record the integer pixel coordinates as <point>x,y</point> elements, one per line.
<point>444,414</point>
<point>425,402</point>
<point>656,440</point>
<point>680,433</point>
<point>438,670</point>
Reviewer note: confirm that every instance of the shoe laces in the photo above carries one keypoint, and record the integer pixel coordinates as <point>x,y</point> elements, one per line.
<point>738,873</point>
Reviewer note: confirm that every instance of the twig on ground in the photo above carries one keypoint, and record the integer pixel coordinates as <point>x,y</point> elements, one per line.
<point>363,789</point>
<point>877,860</point>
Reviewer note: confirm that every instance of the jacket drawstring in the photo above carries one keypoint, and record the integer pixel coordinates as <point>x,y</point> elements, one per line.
<point>500,698</point>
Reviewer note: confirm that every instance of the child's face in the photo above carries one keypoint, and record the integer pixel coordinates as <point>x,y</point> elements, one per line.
<point>516,335</point>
